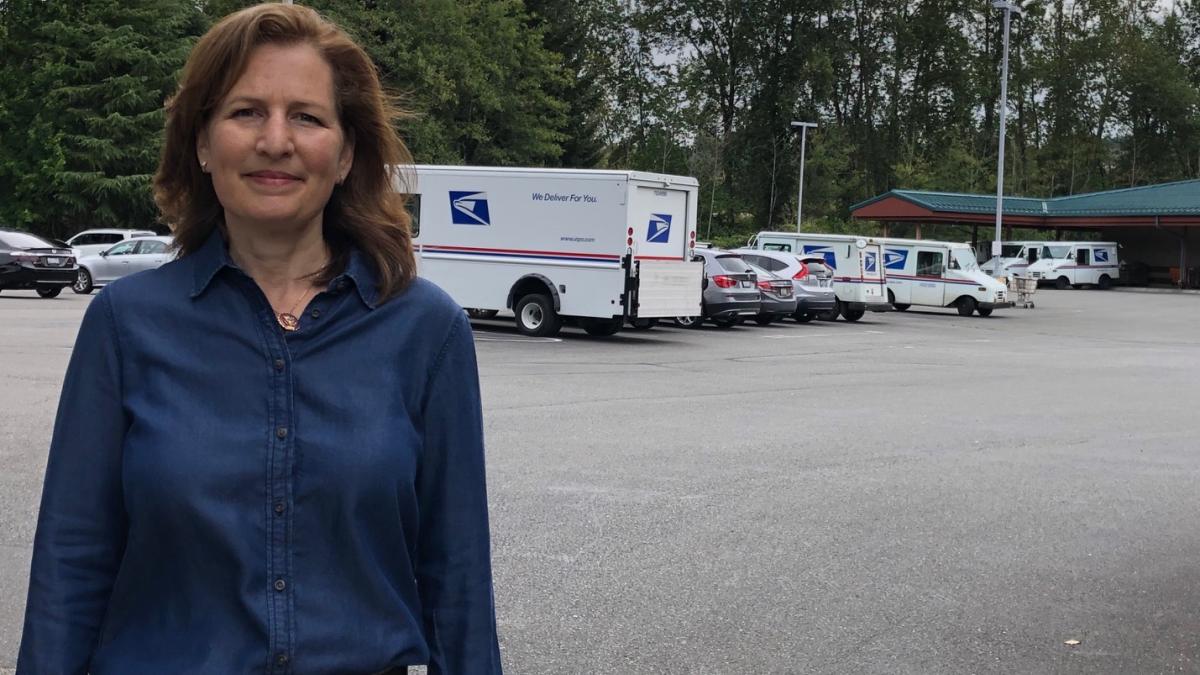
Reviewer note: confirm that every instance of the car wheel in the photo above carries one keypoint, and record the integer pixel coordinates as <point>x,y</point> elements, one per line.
<point>831,314</point>
<point>1062,283</point>
<point>536,316</point>
<point>853,315</point>
<point>984,311</point>
<point>688,321</point>
<point>966,305</point>
<point>764,319</point>
<point>83,282</point>
<point>482,313</point>
<point>602,327</point>
<point>49,291</point>
<point>726,322</point>
<point>643,324</point>
<point>1105,282</point>
<point>802,317</point>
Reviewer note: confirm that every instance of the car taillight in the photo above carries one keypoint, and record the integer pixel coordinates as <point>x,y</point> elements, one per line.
<point>24,257</point>
<point>723,281</point>
<point>765,285</point>
<point>803,273</point>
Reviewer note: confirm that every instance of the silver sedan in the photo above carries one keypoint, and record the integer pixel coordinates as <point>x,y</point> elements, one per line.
<point>123,259</point>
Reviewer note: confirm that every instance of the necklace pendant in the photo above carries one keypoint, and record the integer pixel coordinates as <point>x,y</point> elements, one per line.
<point>288,321</point>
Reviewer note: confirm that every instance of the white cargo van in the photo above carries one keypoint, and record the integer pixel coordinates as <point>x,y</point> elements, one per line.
<point>859,281</point>
<point>1075,263</point>
<point>592,247</point>
<point>1015,257</point>
<point>939,274</point>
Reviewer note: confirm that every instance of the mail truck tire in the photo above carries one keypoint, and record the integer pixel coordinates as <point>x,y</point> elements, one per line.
<point>764,319</point>
<point>643,324</point>
<point>802,317</point>
<point>1062,283</point>
<point>831,314</point>
<point>602,327</point>
<point>984,311</point>
<point>688,321</point>
<point>536,316</point>
<point>83,282</point>
<point>966,305</point>
<point>49,291</point>
<point>900,306</point>
<point>1105,282</point>
<point>853,315</point>
<point>482,313</point>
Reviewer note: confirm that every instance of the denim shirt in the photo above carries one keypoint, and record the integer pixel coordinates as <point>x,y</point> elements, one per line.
<point>226,497</point>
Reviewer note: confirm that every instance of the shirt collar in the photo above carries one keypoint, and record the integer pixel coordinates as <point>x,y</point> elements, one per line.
<point>214,255</point>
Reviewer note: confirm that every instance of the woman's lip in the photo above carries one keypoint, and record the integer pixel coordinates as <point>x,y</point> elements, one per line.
<point>272,175</point>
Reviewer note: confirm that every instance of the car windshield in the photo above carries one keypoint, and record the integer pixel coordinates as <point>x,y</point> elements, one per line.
<point>22,240</point>
<point>1058,252</point>
<point>733,263</point>
<point>1010,250</point>
<point>965,258</point>
<point>762,273</point>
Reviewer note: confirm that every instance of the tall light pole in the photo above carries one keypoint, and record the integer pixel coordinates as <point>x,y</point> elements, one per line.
<point>804,127</point>
<point>1008,7</point>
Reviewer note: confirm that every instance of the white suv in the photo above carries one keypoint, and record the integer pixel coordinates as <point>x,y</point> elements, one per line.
<point>92,242</point>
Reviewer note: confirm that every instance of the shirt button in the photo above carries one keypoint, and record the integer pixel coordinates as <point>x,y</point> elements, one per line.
<point>316,314</point>
<point>280,584</point>
<point>281,659</point>
<point>281,432</point>
<point>279,508</point>
<point>279,364</point>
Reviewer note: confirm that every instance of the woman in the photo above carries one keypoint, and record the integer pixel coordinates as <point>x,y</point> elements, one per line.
<point>268,455</point>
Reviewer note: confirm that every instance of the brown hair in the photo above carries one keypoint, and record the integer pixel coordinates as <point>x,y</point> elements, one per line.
<point>364,211</point>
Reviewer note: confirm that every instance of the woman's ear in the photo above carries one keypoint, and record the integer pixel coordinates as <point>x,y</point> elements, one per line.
<point>346,158</point>
<point>202,149</point>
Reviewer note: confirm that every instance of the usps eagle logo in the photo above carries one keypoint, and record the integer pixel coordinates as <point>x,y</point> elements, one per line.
<point>869,262</point>
<point>469,208</point>
<point>894,259</point>
<point>659,231</point>
<point>1101,255</point>
<point>825,252</point>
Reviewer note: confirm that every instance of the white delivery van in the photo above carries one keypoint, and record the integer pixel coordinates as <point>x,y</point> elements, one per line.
<point>939,274</point>
<point>1074,263</point>
<point>592,247</point>
<point>1015,257</point>
<point>859,281</point>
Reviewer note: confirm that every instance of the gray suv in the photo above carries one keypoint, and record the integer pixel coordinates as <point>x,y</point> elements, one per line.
<point>730,290</point>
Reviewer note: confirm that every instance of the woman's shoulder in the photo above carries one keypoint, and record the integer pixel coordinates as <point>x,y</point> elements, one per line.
<point>425,297</point>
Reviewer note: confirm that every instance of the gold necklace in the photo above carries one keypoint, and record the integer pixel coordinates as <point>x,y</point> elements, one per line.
<point>288,320</point>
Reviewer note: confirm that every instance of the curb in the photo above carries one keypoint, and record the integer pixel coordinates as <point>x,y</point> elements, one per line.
<point>1160,291</point>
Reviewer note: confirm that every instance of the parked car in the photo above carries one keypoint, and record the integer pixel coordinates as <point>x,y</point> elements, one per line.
<point>730,290</point>
<point>92,242</point>
<point>127,257</point>
<point>30,262</point>
<point>777,299</point>
<point>812,279</point>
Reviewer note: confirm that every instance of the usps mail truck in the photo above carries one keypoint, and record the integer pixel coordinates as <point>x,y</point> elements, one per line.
<point>940,274</point>
<point>1015,257</point>
<point>1069,264</point>
<point>859,281</point>
<point>594,248</point>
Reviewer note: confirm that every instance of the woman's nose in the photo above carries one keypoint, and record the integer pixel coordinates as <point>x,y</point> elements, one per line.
<point>275,139</point>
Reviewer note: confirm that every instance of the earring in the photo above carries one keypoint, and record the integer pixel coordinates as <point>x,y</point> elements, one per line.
<point>204,167</point>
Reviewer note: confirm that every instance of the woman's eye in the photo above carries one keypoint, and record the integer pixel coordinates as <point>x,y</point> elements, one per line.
<point>243,112</point>
<point>305,117</point>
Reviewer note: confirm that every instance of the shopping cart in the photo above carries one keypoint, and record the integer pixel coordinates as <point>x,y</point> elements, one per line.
<point>1024,288</point>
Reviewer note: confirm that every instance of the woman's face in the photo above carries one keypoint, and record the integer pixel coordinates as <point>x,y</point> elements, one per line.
<point>274,145</point>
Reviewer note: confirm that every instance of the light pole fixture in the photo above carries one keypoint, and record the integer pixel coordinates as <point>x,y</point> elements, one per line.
<point>1008,7</point>
<point>804,127</point>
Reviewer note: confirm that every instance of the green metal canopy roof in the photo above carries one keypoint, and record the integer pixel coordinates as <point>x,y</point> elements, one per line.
<point>1181,198</point>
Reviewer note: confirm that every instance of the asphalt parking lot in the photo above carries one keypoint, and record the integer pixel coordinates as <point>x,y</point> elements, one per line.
<point>915,493</point>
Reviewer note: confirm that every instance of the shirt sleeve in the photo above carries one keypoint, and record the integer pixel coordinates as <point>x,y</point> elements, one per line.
<point>82,524</point>
<point>453,567</point>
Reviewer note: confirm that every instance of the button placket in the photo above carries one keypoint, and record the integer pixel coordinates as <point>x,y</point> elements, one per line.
<point>279,468</point>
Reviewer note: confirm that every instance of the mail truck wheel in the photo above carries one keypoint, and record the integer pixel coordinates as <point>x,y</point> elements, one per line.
<point>1062,283</point>
<point>49,291</point>
<point>984,311</point>
<point>83,282</point>
<point>900,306</point>
<point>602,327</point>
<point>643,324</point>
<point>536,316</point>
<point>853,315</point>
<point>831,314</point>
<point>966,305</point>
<point>802,316</point>
<point>764,319</point>
<point>1105,282</point>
